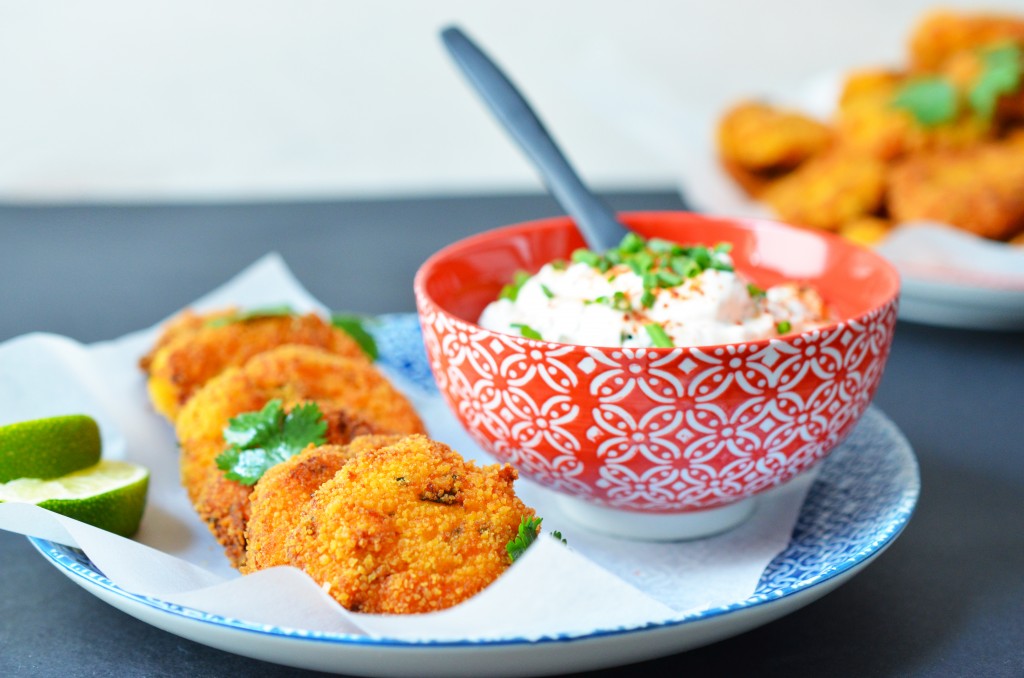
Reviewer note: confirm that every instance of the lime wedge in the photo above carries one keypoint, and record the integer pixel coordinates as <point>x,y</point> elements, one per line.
<point>110,495</point>
<point>48,448</point>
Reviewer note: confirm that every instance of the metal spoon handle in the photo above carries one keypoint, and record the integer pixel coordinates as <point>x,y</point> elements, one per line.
<point>594,218</point>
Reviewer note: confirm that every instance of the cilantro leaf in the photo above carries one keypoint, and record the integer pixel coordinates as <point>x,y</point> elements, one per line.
<point>932,101</point>
<point>355,327</point>
<point>259,440</point>
<point>1002,75</point>
<point>528,529</point>
<point>275,311</point>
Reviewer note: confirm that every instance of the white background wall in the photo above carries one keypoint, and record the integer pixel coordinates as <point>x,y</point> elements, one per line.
<point>186,99</point>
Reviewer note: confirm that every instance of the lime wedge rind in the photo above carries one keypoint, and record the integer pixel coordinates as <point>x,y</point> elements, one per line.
<point>48,448</point>
<point>110,495</point>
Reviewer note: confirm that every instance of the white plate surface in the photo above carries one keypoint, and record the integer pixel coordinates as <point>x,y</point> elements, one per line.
<point>859,503</point>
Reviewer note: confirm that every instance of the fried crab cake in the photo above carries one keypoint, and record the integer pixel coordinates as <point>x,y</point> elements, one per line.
<point>195,348</point>
<point>868,123</point>
<point>407,528</point>
<point>942,33</point>
<point>980,190</point>
<point>279,497</point>
<point>829,191</point>
<point>757,141</point>
<point>355,398</point>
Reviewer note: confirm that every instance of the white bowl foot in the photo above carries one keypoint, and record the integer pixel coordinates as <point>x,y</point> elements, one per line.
<point>657,526</point>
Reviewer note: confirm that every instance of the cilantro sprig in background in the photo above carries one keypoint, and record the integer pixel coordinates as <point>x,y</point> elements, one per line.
<point>260,440</point>
<point>934,100</point>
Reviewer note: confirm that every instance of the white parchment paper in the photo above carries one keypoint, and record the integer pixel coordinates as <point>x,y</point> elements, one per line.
<point>596,583</point>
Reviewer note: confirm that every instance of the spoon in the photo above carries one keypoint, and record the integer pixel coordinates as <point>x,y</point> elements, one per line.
<point>597,223</point>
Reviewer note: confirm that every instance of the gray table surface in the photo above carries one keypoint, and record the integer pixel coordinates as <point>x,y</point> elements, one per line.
<point>946,599</point>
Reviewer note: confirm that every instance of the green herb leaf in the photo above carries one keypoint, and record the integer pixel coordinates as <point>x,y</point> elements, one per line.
<point>669,279</point>
<point>620,302</point>
<point>275,311</point>
<point>511,291</point>
<point>259,440</point>
<point>755,291</point>
<point>528,528</point>
<point>1002,74</point>
<point>684,266</point>
<point>659,246</point>
<point>585,256</point>
<point>355,327</point>
<point>547,291</point>
<point>932,101</point>
<point>631,242</point>
<point>658,335</point>
<point>527,331</point>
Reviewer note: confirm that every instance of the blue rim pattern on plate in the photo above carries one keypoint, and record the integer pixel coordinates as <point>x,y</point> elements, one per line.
<point>861,500</point>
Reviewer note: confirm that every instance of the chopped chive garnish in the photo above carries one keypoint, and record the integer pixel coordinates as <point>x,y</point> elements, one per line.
<point>783,326</point>
<point>631,242</point>
<point>620,302</point>
<point>547,291</point>
<point>660,263</point>
<point>685,266</point>
<point>669,279</point>
<point>659,246</point>
<point>658,336</point>
<point>584,256</point>
<point>511,291</point>
<point>527,331</point>
<point>755,291</point>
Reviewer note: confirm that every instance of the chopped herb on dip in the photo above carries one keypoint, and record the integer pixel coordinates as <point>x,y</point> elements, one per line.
<point>650,293</point>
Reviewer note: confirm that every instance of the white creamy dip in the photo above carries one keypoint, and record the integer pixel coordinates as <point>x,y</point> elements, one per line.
<point>579,303</point>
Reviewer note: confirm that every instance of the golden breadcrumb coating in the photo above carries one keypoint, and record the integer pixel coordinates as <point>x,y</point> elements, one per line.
<point>941,127</point>
<point>829,190</point>
<point>185,323</point>
<point>757,141</point>
<point>279,497</point>
<point>191,351</point>
<point>942,33</point>
<point>980,189</point>
<point>354,396</point>
<point>867,231</point>
<point>407,528</point>
<point>868,123</point>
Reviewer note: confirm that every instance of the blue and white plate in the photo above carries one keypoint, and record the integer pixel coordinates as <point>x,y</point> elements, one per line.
<point>861,500</point>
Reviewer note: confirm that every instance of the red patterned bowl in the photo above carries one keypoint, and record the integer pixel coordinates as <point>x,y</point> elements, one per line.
<point>682,436</point>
